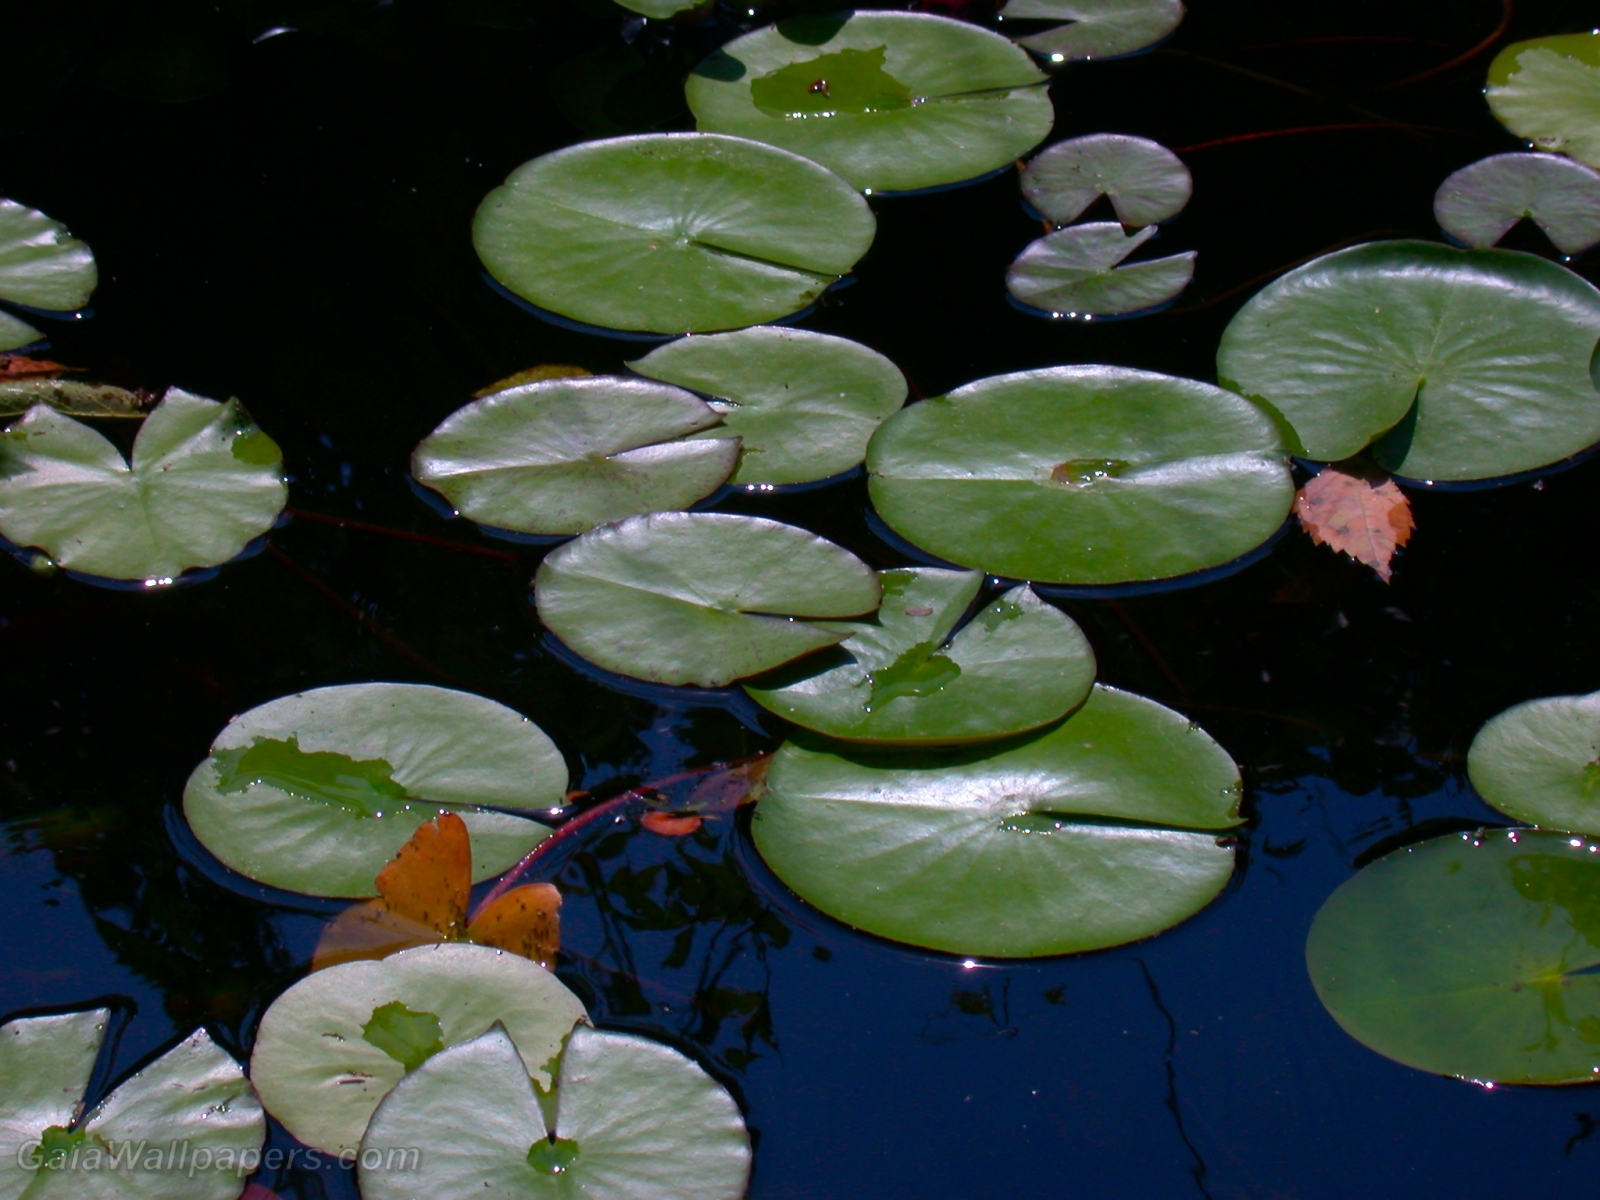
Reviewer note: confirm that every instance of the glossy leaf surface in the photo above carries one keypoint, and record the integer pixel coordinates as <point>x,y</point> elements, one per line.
<point>1548,91</point>
<point>1097,28</point>
<point>1145,182</point>
<point>41,264</point>
<point>1539,762</point>
<point>1078,271</point>
<point>45,1066</point>
<point>1480,203</point>
<point>15,332</point>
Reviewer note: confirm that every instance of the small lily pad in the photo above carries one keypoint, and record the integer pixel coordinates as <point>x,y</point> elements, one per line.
<point>1480,203</point>
<point>316,792</point>
<point>1548,91</point>
<point>1470,955</point>
<point>634,1120</point>
<point>204,482</point>
<point>892,101</point>
<point>15,332</point>
<point>1145,182</point>
<point>1539,762</point>
<point>1078,271</point>
<point>1104,829</point>
<point>659,10</point>
<point>699,598</point>
<point>41,264</point>
<point>1097,28</point>
<point>804,405</point>
<point>333,1045</point>
<point>1082,475</point>
<point>671,232</point>
<point>565,455</point>
<point>1019,663</point>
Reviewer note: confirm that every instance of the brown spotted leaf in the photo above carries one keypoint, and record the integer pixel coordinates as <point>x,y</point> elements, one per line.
<point>1358,512</point>
<point>20,366</point>
<point>368,930</point>
<point>71,396</point>
<point>430,881</point>
<point>526,921</point>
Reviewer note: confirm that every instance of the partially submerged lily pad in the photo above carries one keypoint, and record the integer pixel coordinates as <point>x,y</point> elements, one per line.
<point>659,10</point>
<point>1548,91</point>
<point>1104,829</point>
<point>203,483</point>
<point>912,676</point>
<point>41,264</point>
<point>699,598</point>
<point>333,1045</point>
<point>804,405</point>
<point>1097,28</point>
<point>1470,955</point>
<point>892,101</point>
<point>1145,182</point>
<point>1539,762</point>
<point>316,792</point>
<point>633,1120</point>
<point>1079,271</point>
<point>1478,361</point>
<point>671,232</point>
<point>15,332</point>
<point>1480,203</point>
<point>1083,475</point>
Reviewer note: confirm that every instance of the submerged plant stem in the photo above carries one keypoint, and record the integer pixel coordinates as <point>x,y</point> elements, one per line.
<point>346,523</point>
<point>1507,11</point>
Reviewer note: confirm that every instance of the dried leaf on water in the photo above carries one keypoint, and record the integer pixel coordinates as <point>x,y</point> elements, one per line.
<point>17,366</point>
<point>1358,512</point>
<point>672,824</point>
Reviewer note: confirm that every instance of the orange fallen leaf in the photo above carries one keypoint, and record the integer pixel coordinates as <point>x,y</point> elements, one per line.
<point>526,921</point>
<point>532,375</point>
<point>669,824</point>
<point>429,882</point>
<point>1358,512</point>
<point>19,366</point>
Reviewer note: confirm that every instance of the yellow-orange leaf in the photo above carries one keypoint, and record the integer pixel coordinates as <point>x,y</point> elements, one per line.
<point>19,366</point>
<point>1361,513</point>
<point>526,921</point>
<point>531,375</point>
<point>430,881</point>
<point>368,930</point>
<point>669,824</point>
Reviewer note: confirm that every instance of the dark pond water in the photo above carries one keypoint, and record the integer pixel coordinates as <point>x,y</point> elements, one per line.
<point>297,236</point>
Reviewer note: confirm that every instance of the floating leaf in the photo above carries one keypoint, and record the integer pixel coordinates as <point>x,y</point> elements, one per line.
<point>316,792</point>
<point>72,397</point>
<point>533,375</point>
<point>45,1067</point>
<point>1146,182</point>
<point>1548,91</point>
<point>565,455</point>
<point>1359,513</point>
<point>671,232</point>
<point>1470,955</point>
<point>1480,203</point>
<point>204,482</point>
<point>1097,29</point>
<point>634,1120</point>
<point>804,405</point>
<point>672,824</point>
<point>1077,271</point>
<point>1084,475</point>
<point>15,332</point>
<point>701,598</point>
<point>320,1073</point>
<point>1539,762</point>
<point>1102,830</point>
<point>658,9</point>
<point>1478,361</point>
<point>19,366</point>
<point>1018,664</point>
<point>526,921</point>
<point>41,264</point>
<point>891,101</point>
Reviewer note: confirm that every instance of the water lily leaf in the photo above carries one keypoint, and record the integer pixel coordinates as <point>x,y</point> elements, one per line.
<point>15,332</point>
<point>1077,271</point>
<point>1102,830</point>
<point>803,405</point>
<point>1018,664</point>
<point>41,264</point>
<point>660,10</point>
<point>1098,28</point>
<point>321,1074</point>
<point>671,232</point>
<point>1146,182</point>
<point>1480,203</point>
<point>1477,359</point>
<point>204,482</point>
<point>316,792</point>
<point>1084,475</point>
<point>701,598</point>
<point>1360,513</point>
<point>45,1066</point>
<point>1539,762</point>
<point>1470,955</point>
<point>565,455</point>
<point>891,101</point>
<point>72,397</point>
<point>1548,91</point>
<point>634,1120</point>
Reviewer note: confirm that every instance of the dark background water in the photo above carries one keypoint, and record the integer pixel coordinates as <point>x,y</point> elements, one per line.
<point>286,219</point>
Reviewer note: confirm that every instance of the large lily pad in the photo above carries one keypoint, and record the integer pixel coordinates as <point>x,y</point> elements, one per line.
<point>316,792</point>
<point>1084,475</point>
<point>906,677</point>
<point>671,232</point>
<point>1470,955</point>
<point>1145,182</point>
<point>565,455</point>
<point>1078,272</point>
<point>803,405</point>
<point>634,1120</point>
<point>333,1045</point>
<point>203,483</point>
<point>1097,28</point>
<point>1104,829</point>
<point>41,264</point>
<point>891,101</point>
<point>1540,762</point>
<point>1480,203</point>
<point>1548,91</point>
<point>1477,360</point>
<point>701,598</point>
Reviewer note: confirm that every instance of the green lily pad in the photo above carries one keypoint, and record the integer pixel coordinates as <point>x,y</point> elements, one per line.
<point>1018,664</point>
<point>1539,762</point>
<point>671,232</point>
<point>1077,272</point>
<point>73,397</point>
<point>804,405</point>
<point>565,455</point>
<point>1082,475</point>
<point>1548,91</point>
<point>316,792</point>
<point>1478,360</point>
<point>634,1120</point>
<point>699,598</point>
<point>333,1045</point>
<point>45,1067</point>
<point>1470,955</point>
<point>659,10</point>
<point>41,264</point>
<point>892,101</point>
<point>1097,28</point>
<point>204,482</point>
<point>15,332</point>
<point>1146,182</point>
<point>1480,203</point>
<point>1102,830</point>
